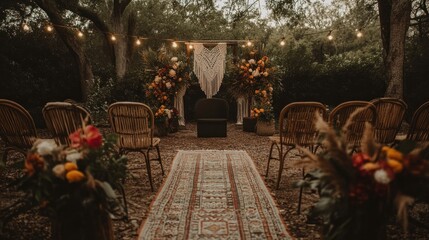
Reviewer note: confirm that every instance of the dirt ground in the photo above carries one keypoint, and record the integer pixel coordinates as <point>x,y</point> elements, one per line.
<point>31,225</point>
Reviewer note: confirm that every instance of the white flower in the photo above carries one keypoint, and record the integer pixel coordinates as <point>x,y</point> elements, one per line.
<point>46,147</point>
<point>250,70</point>
<point>270,89</point>
<point>172,73</point>
<point>252,61</point>
<point>243,60</point>
<point>174,59</point>
<point>175,66</point>
<point>381,176</point>
<point>59,170</point>
<point>265,74</point>
<point>73,156</point>
<point>256,73</point>
<point>157,79</point>
<point>168,85</point>
<point>168,112</point>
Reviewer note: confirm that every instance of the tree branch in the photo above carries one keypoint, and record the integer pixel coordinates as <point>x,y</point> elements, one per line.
<point>124,5</point>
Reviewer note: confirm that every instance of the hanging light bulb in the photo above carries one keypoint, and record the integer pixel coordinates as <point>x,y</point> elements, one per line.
<point>330,37</point>
<point>174,44</point>
<point>25,27</point>
<point>79,34</point>
<point>283,42</point>
<point>243,46</point>
<point>359,33</point>
<point>49,28</point>
<point>138,42</point>
<point>191,46</point>
<point>249,43</point>
<point>113,38</point>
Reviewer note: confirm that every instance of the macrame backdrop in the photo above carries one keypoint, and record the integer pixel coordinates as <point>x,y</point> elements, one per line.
<point>209,67</point>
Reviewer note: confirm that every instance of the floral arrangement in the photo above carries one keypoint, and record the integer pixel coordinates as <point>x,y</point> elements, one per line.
<point>170,76</point>
<point>358,192</point>
<point>256,79</point>
<point>79,177</point>
<point>263,108</point>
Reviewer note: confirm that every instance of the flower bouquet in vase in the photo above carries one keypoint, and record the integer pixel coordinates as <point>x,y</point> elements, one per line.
<point>359,193</point>
<point>73,185</point>
<point>263,112</point>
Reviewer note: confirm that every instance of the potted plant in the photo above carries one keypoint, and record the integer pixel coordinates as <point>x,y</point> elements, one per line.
<point>263,112</point>
<point>73,185</point>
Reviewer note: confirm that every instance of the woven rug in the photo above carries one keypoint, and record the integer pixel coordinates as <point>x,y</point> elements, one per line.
<point>213,195</point>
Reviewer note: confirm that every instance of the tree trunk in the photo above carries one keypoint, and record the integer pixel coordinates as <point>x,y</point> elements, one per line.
<point>399,22</point>
<point>70,39</point>
<point>394,22</point>
<point>120,47</point>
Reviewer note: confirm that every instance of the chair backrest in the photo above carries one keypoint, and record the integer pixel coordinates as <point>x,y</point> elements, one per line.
<point>296,123</point>
<point>211,108</point>
<point>360,113</point>
<point>133,122</point>
<point>419,127</point>
<point>16,125</point>
<point>390,113</point>
<point>64,118</point>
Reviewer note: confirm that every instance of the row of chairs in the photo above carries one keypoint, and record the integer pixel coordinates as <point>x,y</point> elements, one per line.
<point>296,126</point>
<point>132,122</point>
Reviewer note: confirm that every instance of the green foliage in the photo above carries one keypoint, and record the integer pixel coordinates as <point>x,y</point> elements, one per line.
<point>99,100</point>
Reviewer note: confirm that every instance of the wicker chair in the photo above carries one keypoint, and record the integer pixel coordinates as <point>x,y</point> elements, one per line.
<point>296,128</point>
<point>134,124</point>
<point>419,127</point>
<point>64,118</point>
<point>390,113</point>
<point>212,117</point>
<point>361,112</point>
<point>17,128</point>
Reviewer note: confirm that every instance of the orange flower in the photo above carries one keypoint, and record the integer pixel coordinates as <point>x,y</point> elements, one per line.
<point>75,176</point>
<point>256,91</point>
<point>395,165</point>
<point>369,166</point>
<point>70,166</point>
<point>33,163</point>
<point>261,110</point>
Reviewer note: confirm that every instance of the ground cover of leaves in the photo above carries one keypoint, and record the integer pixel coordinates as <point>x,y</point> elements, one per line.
<point>30,225</point>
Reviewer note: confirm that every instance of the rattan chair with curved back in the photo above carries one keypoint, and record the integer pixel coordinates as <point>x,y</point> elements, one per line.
<point>360,112</point>
<point>17,129</point>
<point>133,123</point>
<point>419,127</point>
<point>63,118</point>
<point>390,113</point>
<point>296,128</point>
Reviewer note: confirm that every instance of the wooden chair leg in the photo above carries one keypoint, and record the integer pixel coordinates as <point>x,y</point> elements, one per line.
<point>159,159</point>
<point>149,174</point>
<point>281,165</point>
<point>271,157</point>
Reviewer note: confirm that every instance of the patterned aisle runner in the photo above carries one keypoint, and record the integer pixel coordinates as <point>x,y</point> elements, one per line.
<point>213,195</point>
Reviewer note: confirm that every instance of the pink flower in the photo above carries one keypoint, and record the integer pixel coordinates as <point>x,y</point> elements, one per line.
<point>93,137</point>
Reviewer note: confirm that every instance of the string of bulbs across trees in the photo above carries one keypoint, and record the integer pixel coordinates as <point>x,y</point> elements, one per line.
<point>138,39</point>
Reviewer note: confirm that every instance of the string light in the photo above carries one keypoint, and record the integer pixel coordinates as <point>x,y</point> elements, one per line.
<point>79,34</point>
<point>243,46</point>
<point>174,44</point>
<point>113,38</point>
<point>330,37</point>
<point>359,33</point>
<point>191,46</point>
<point>49,28</point>
<point>249,43</point>
<point>25,27</point>
<point>282,42</point>
<point>138,42</point>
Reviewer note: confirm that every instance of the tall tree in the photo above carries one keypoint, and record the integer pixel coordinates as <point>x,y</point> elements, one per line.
<point>394,22</point>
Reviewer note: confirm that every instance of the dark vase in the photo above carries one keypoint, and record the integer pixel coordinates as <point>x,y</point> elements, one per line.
<point>174,125</point>
<point>161,129</point>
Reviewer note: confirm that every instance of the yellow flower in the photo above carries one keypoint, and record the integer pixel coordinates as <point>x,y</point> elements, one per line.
<point>370,166</point>
<point>395,165</point>
<point>70,166</point>
<point>75,176</point>
<point>394,154</point>
<point>261,110</point>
